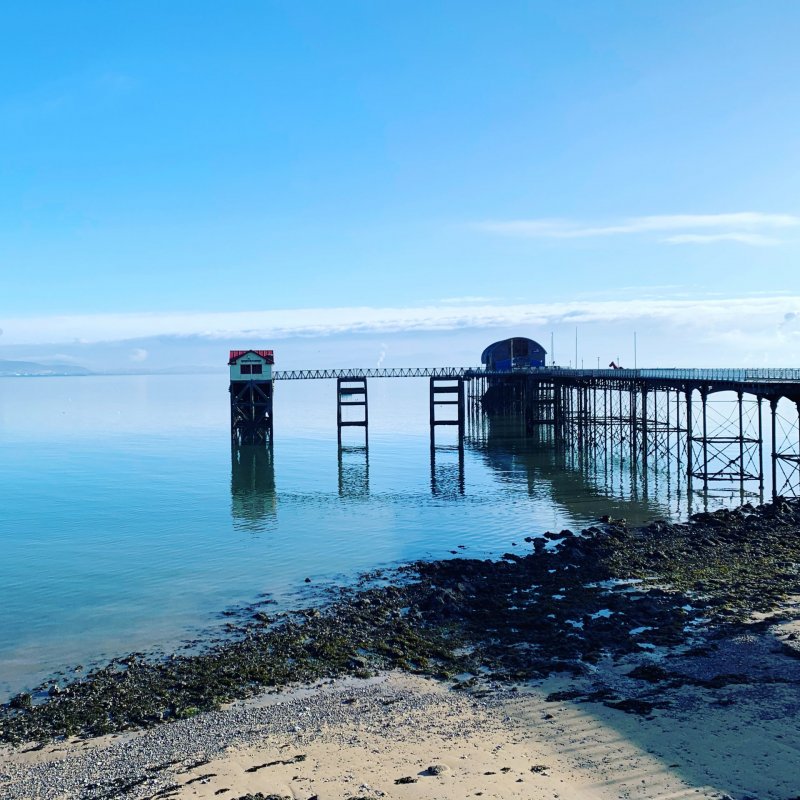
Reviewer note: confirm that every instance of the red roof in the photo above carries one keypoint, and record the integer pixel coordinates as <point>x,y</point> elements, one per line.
<point>267,355</point>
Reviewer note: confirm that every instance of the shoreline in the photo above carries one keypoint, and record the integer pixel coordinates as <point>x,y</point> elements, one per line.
<point>404,736</point>
<point>636,626</point>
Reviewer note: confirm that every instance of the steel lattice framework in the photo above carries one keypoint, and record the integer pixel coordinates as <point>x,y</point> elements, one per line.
<point>707,424</point>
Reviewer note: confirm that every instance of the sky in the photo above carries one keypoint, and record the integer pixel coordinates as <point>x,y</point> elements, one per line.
<point>368,181</point>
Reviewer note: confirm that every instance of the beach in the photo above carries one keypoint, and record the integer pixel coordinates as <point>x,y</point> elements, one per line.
<point>400,736</point>
<point>400,400</point>
<point>585,701</point>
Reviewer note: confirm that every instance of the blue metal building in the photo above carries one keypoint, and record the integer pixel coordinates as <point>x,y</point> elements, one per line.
<point>515,353</point>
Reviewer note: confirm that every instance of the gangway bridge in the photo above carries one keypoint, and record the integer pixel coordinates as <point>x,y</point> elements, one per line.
<point>358,372</point>
<point>750,380</point>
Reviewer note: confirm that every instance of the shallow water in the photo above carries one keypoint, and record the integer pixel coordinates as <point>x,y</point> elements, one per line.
<point>127,523</point>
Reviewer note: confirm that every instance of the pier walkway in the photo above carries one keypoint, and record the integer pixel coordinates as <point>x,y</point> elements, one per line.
<point>748,380</point>
<point>377,372</point>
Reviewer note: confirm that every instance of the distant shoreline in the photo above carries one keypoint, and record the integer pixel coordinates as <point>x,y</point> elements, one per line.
<point>86,373</point>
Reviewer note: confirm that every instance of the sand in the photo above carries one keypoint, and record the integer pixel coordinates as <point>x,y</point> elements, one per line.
<point>355,738</point>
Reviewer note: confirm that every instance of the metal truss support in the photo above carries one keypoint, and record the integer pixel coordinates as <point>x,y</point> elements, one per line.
<point>689,438</point>
<point>658,428</point>
<point>442,392</point>
<point>251,412</point>
<point>773,407</point>
<point>351,392</point>
<point>785,451</point>
<point>760,446</point>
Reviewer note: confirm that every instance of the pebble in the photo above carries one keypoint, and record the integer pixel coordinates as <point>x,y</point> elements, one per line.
<point>161,757</point>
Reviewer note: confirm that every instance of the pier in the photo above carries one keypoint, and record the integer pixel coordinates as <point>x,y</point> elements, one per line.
<point>708,426</point>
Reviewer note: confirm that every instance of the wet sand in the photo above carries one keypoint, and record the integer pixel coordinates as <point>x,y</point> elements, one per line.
<point>403,736</point>
<point>667,666</point>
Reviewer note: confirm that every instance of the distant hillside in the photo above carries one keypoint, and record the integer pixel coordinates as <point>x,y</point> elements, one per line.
<point>30,369</point>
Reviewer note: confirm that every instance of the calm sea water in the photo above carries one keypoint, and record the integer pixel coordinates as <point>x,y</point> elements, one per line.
<point>125,522</point>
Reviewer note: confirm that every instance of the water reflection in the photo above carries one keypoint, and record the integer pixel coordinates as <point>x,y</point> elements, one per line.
<point>253,500</point>
<point>585,487</point>
<point>354,472</point>
<point>76,490</point>
<point>447,470</point>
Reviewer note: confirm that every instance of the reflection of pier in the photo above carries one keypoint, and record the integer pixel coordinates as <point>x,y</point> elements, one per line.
<point>253,501</point>
<point>447,469</point>
<point>447,408</point>
<point>353,471</point>
<point>585,488</point>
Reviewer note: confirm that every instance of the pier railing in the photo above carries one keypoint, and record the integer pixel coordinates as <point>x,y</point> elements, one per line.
<point>360,372</point>
<point>731,375</point>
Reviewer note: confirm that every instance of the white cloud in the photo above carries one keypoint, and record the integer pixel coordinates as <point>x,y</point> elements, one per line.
<point>467,300</point>
<point>709,313</point>
<point>754,239</point>
<point>744,227</point>
<point>139,354</point>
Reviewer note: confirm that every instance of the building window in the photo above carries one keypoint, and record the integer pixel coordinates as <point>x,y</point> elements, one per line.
<point>245,369</point>
<point>256,369</point>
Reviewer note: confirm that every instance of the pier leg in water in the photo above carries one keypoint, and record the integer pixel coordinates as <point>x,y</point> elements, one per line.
<point>704,400</point>
<point>689,440</point>
<point>773,407</point>
<point>644,438</point>
<point>741,447</point>
<point>354,386</point>
<point>760,450</point>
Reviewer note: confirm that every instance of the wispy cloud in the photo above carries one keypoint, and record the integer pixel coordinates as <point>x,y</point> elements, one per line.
<point>467,300</point>
<point>702,313</point>
<point>755,239</point>
<point>744,227</point>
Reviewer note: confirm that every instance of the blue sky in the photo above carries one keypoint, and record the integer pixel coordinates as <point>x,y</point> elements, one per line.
<point>371,168</point>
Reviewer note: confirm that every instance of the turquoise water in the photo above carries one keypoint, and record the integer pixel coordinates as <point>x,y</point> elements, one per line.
<point>126,524</point>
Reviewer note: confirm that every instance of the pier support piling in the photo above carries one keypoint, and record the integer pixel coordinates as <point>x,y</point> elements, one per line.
<point>351,392</point>
<point>447,392</point>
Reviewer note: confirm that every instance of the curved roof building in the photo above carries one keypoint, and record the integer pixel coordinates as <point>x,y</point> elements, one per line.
<point>514,353</point>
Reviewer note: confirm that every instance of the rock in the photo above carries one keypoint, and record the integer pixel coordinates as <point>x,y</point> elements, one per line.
<point>437,769</point>
<point>632,706</point>
<point>22,701</point>
<point>651,673</point>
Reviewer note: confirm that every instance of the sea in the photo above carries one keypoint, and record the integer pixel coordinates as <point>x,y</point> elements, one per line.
<point>129,523</point>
